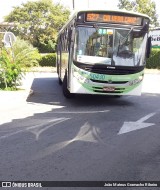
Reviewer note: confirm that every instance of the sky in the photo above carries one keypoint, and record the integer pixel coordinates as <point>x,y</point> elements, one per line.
<point>8,5</point>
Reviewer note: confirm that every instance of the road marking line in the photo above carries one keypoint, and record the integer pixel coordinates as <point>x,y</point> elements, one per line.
<point>132,126</point>
<point>35,129</point>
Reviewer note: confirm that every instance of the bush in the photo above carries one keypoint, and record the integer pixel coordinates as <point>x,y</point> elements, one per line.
<point>48,47</point>
<point>25,54</point>
<point>10,73</point>
<point>48,60</point>
<point>153,62</point>
<point>14,61</point>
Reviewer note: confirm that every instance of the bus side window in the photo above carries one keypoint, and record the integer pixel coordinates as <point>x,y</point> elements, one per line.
<point>69,37</point>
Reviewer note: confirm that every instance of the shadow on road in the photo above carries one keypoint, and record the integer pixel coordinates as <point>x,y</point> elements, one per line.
<point>48,91</point>
<point>78,141</point>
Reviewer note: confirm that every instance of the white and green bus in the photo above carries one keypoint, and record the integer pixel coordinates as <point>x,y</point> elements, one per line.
<point>103,52</point>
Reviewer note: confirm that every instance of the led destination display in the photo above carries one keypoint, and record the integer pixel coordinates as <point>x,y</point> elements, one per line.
<point>105,17</point>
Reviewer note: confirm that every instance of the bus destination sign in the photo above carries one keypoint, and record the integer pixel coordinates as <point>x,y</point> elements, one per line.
<point>119,19</point>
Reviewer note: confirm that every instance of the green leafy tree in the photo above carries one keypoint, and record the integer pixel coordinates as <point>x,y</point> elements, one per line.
<point>39,22</point>
<point>142,6</point>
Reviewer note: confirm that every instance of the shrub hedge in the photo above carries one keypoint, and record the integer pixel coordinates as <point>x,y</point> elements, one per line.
<point>48,60</point>
<point>153,62</point>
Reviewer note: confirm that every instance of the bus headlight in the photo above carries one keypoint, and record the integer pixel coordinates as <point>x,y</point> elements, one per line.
<point>141,77</point>
<point>136,81</point>
<point>80,78</point>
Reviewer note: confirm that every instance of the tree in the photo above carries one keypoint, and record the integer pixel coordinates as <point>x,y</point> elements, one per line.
<point>38,22</point>
<point>142,6</point>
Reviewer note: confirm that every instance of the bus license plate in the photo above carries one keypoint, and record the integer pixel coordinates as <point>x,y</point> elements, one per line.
<point>109,89</point>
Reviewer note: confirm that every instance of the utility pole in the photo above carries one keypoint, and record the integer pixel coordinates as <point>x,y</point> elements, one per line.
<point>73,4</point>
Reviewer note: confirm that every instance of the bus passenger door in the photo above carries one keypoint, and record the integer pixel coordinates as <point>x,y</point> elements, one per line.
<point>71,51</point>
<point>59,58</point>
<point>64,54</point>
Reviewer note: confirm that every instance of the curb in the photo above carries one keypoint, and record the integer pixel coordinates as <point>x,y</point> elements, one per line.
<point>54,70</point>
<point>43,69</point>
<point>151,71</point>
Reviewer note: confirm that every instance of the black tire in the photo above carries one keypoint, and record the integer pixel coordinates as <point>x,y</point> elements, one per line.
<point>66,92</point>
<point>59,80</point>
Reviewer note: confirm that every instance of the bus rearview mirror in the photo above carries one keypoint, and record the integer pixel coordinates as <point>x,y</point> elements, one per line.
<point>148,47</point>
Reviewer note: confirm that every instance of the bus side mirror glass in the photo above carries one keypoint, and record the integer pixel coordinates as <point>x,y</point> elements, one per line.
<point>145,27</point>
<point>148,47</point>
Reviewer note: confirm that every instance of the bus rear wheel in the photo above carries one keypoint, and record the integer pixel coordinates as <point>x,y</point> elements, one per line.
<point>66,92</point>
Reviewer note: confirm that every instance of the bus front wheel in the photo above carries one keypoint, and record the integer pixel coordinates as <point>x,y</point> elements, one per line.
<point>59,81</point>
<point>66,92</point>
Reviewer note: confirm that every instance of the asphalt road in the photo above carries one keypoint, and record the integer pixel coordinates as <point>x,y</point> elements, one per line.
<point>88,138</point>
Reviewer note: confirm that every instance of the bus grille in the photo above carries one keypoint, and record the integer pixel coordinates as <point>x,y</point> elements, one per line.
<point>107,82</point>
<point>104,69</point>
<point>109,71</point>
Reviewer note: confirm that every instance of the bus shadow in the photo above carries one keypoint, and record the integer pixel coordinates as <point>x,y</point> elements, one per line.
<point>48,91</point>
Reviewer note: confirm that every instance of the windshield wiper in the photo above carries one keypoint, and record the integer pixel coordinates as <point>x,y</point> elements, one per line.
<point>125,38</point>
<point>123,41</point>
<point>96,27</point>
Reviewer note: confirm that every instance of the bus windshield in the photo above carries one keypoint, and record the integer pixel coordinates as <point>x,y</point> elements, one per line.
<point>110,46</point>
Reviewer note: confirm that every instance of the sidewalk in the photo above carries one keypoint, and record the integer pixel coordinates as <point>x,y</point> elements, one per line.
<point>10,99</point>
<point>152,71</point>
<point>14,105</point>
